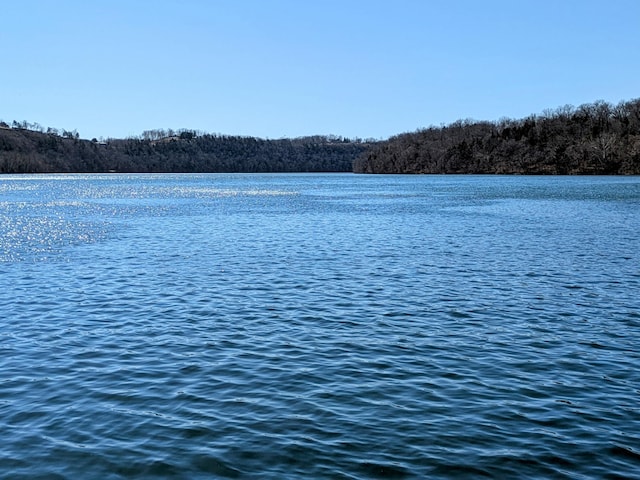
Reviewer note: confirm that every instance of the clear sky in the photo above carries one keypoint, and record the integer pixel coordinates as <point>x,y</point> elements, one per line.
<point>287,68</point>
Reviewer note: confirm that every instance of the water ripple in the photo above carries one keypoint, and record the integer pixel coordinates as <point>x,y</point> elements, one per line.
<point>319,327</point>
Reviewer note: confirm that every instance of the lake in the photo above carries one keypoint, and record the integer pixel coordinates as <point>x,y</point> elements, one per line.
<point>333,326</point>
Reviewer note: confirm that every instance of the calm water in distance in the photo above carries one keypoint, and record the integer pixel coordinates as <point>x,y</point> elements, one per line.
<point>319,326</point>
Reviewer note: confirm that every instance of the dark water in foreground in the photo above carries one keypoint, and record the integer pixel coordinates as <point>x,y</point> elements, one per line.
<point>319,326</point>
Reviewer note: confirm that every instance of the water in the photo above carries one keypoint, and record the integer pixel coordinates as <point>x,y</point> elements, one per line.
<point>319,326</point>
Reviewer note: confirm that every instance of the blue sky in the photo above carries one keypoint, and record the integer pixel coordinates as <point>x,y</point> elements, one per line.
<point>287,68</point>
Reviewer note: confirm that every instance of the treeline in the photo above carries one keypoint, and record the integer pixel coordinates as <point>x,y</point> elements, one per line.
<point>36,127</point>
<point>597,138</point>
<point>27,150</point>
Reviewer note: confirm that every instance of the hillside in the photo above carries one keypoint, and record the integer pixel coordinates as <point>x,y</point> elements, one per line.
<point>597,138</point>
<point>23,150</point>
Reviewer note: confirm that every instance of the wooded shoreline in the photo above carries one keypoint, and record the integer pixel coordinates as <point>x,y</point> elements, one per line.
<point>592,139</point>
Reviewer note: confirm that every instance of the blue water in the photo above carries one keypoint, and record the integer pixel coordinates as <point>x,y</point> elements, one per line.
<point>319,326</point>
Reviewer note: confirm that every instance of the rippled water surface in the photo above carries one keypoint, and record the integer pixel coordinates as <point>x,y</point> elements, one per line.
<point>319,326</point>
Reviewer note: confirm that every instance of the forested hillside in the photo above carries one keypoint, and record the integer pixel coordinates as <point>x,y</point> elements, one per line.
<point>25,149</point>
<point>597,138</point>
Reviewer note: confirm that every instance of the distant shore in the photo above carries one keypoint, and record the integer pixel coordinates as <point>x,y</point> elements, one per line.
<point>592,139</point>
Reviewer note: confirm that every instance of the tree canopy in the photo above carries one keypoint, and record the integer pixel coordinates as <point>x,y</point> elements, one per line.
<point>597,138</point>
<point>27,150</point>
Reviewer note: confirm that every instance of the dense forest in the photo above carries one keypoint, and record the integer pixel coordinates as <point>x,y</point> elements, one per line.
<point>29,148</point>
<point>597,138</point>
